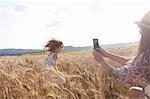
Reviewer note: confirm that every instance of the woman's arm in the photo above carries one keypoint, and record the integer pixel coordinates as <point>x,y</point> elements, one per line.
<point>113,57</point>
<point>126,74</point>
<point>99,58</point>
<point>117,58</point>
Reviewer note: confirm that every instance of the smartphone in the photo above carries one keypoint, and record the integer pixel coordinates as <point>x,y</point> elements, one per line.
<point>95,43</point>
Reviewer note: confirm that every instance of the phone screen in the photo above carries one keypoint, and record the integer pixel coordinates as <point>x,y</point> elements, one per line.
<point>95,43</point>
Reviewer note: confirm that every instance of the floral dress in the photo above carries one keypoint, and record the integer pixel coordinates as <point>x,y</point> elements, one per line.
<point>137,71</point>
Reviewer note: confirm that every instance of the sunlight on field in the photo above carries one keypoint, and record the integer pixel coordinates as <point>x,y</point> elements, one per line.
<point>26,77</point>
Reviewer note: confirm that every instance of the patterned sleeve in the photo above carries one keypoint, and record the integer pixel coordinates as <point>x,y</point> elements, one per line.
<point>129,73</point>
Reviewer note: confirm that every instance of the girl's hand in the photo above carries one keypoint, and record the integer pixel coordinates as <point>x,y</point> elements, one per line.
<point>98,56</point>
<point>62,78</point>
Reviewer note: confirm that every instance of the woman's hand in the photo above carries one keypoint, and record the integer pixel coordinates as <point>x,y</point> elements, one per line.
<point>98,56</point>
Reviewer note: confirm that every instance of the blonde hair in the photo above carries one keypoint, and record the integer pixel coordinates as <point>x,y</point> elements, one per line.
<point>52,44</point>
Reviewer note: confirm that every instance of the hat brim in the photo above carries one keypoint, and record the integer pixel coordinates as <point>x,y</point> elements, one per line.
<point>142,24</point>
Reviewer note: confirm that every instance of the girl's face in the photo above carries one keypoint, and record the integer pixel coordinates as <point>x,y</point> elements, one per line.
<point>59,49</point>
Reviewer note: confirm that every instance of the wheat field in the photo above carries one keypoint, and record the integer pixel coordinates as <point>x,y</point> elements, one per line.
<point>26,77</point>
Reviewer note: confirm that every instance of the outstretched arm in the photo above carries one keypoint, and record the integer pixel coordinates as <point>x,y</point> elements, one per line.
<point>113,57</point>
<point>117,58</point>
<point>126,74</point>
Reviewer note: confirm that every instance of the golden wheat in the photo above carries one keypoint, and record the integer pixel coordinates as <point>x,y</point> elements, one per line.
<point>26,77</point>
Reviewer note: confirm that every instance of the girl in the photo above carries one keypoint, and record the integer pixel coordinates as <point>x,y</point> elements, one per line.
<point>54,47</point>
<point>136,72</point>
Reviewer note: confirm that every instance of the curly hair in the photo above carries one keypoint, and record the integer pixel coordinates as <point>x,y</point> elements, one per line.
<point>51,45</point>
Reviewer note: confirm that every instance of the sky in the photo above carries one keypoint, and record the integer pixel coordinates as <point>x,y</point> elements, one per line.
<point>28,24</point>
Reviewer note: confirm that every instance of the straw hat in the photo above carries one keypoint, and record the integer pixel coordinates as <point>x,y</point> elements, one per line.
<point>145,21</point>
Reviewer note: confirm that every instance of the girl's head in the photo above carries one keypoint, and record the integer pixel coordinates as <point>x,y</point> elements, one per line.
<point>54,46</point>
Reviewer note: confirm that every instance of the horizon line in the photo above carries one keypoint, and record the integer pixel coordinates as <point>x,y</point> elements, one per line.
<point>72,46</point>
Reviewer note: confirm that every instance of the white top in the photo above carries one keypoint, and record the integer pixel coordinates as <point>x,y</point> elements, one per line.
<point>49,60</point>
<point>49,63</point>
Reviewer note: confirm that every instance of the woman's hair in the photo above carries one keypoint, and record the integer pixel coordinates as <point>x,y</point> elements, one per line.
<point>144,48</point>
<point>52,44</point>
<point>145,40</point>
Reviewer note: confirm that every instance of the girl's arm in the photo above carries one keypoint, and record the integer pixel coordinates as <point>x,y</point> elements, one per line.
<point>113,57</point>
<point>55,63</point>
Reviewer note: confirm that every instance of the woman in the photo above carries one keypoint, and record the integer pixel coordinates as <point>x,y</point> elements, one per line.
<point>139,69</point>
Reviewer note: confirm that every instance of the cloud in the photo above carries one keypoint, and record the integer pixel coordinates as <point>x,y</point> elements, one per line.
<point>19,7</point>
<point>52,24</point>
<point>9,6</point>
